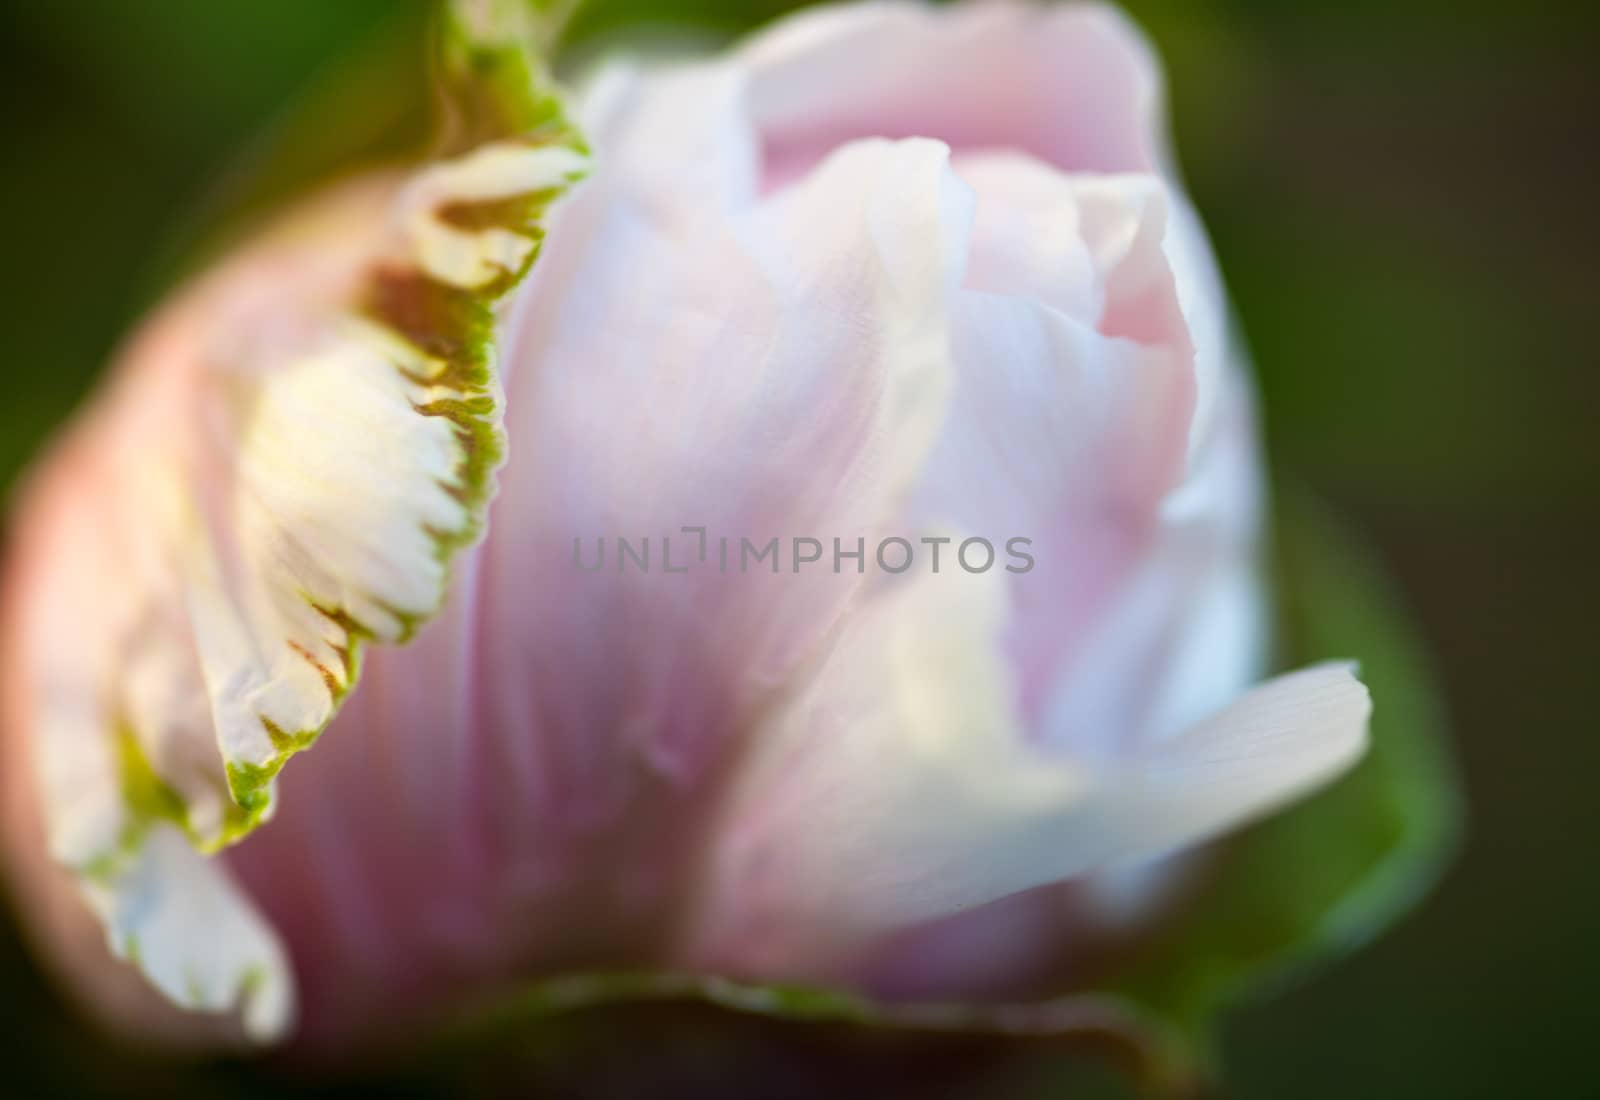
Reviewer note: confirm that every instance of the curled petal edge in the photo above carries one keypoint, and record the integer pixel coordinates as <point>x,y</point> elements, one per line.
<point>280,473</point>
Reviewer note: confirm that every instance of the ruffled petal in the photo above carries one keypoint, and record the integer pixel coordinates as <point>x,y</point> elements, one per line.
<point>1072,87</point>
<point>289,455</point>
<point>1074,389</point>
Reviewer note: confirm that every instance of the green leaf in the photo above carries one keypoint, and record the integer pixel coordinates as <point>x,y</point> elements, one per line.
<point>1319,880</point>
<point>690,1034</point>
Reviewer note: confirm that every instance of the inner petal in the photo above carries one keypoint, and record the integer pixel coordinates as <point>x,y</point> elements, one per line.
<point>1070,85</point>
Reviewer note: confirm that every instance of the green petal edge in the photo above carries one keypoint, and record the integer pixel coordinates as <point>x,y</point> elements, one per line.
<point>494,89</point>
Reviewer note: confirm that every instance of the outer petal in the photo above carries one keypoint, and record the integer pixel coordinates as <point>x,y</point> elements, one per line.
<point>924,799</point>
<point>288,456</point>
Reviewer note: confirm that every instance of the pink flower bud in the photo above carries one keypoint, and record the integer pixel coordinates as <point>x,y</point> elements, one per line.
<point>871,599</point>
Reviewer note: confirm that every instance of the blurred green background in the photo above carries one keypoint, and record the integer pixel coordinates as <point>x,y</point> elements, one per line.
<point>1403,199</point>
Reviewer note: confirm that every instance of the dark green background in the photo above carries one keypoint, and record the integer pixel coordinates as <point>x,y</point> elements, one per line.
<point>1404,199</point>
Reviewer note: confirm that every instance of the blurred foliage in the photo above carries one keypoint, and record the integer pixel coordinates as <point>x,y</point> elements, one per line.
<point>1312,883</point>
<point>1401,198</point>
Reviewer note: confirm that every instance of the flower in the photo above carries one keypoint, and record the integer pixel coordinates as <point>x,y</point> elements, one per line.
<point>883,283</point>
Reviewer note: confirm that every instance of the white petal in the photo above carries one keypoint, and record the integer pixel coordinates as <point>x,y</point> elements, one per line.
<point>1266,749</point>
<point>1073,393</point>
<point>769,373</point>
<point>1187,629</point>
<point>676,139</point>
<point>898,788</point>
<point>180,918</point>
